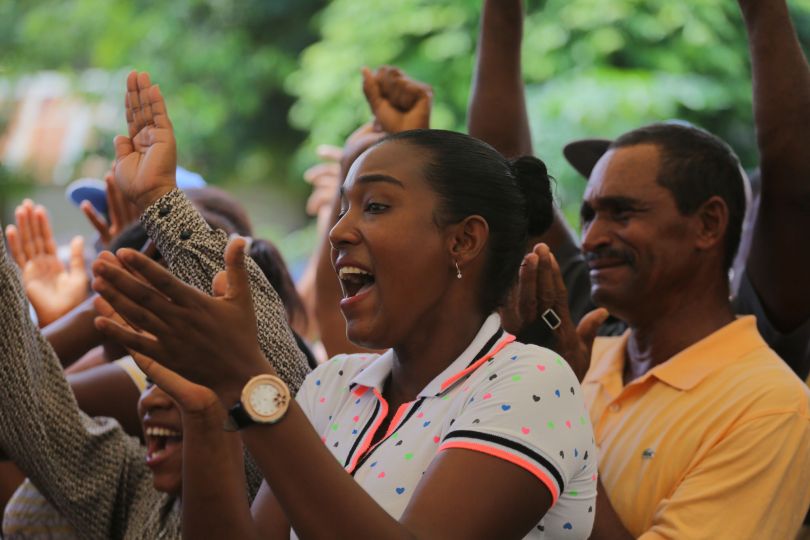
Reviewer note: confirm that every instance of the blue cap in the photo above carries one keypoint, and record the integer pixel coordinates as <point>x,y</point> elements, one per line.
<point>95,190</point>
<point>88,189</point>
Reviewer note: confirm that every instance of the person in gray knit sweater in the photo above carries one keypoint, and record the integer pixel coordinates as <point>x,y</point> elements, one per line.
<point>93,475</point>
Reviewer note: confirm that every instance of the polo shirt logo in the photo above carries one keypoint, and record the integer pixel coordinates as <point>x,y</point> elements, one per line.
<point>648,453</point>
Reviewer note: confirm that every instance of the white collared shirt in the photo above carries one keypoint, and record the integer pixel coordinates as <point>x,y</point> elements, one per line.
<point>516,402</point>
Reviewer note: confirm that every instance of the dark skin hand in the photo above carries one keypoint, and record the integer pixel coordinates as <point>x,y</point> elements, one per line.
<point>204,442</point>
<point>121,211</point>
<point>541,284</point>
<point>540,287</point>
<point>292,444</point>
<point>146,159</point>
<point>398,102</point>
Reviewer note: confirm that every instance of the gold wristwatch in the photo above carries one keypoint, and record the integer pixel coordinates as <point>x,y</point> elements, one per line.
<point>265,399</point>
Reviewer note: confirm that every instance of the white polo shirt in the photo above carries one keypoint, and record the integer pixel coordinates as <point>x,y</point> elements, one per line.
<point>516,402</point>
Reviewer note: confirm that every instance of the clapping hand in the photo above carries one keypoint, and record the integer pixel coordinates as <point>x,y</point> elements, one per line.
<point>146,160</point>
<point>52,288</point>
<point>211,341</point>
<point>121,211</point>
<point>191,398</point>
<point>398,102</point>
<point>540,288</point>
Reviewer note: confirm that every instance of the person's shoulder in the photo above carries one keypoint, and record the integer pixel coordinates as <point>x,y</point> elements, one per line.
<point>519,359</point>
<point>766,382</point>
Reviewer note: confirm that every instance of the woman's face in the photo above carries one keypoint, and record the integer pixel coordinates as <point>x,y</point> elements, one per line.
<point>163,433</point>
<point>391,256</point>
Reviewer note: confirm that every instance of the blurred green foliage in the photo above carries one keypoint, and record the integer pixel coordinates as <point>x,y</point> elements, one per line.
<point>593,68</point>
<point>221,64</point>
<point>254,85</point>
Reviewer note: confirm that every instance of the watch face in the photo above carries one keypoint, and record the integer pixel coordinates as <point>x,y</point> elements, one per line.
<point>264,399</point>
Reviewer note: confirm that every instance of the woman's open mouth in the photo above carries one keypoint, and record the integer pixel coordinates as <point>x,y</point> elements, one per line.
<point>355,282</point>
<point>161,442</point>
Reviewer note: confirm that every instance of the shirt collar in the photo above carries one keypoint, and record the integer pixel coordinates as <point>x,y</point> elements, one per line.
<point>689,367</point>
<point>607,357</point>
<point>377,372</point>
<point>721,348</point>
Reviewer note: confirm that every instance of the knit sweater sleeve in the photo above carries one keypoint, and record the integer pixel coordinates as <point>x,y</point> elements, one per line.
<point>88,469</point>
<point>195,253</point>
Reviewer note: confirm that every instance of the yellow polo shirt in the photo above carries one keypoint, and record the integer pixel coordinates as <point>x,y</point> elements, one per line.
<point>713,443</point>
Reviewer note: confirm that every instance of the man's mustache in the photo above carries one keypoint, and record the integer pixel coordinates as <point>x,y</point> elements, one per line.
<point>610,254</point>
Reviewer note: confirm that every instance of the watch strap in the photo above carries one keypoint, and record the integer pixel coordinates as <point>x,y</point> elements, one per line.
<point>238,418</point>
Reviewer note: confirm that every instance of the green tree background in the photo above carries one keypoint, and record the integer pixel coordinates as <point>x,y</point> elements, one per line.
<point>254,85</point>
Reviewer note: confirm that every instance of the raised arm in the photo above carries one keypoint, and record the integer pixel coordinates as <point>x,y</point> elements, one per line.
<point>497,110</point>
<point>781,83</point>
<point>78,463</point>
<point>145,168</point>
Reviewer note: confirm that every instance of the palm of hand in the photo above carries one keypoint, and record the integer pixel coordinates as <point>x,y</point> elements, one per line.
<point>150,166</point>
<point>52,290</point>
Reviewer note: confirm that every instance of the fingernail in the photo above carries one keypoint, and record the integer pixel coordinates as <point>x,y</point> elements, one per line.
<point>248,240</point>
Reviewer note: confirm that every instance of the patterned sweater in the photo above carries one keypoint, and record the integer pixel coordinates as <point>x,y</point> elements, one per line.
<point>88,469</point>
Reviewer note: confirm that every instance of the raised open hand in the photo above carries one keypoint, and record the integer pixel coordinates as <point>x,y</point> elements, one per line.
<point>146,160</point>
<point>540,289</point>
<point>398,102</point>
<point>208,340</point>
<point>122,212</point>
<point>52,288</point>
<point>325,179</point>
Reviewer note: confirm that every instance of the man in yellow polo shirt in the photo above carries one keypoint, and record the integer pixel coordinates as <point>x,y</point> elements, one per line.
<point>703,431</point>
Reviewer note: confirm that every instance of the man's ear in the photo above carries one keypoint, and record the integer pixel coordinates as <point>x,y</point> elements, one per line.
<point>467,240</point>
<point>712,222</point>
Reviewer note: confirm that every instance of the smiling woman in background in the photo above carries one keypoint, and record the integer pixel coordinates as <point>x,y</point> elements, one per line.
<point>87,477</point>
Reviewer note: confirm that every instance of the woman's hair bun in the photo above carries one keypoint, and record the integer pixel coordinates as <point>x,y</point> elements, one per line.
<point>534,181</point>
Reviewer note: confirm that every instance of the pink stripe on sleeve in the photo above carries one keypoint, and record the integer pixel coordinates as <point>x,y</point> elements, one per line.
<point>511,458</point>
